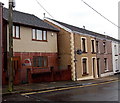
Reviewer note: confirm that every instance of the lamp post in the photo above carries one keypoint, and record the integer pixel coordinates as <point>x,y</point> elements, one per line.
<point>10,59</point>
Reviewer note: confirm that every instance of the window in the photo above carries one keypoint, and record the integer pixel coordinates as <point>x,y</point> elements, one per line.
<point>104,47</point>
<point>98,66</point>
<point>44,35</point>
<point>40,61</point>
<point>97,46</point>
<point>93,65</point>
<point>84,65</point>
<point>16,32</point>
<point>93,46</point>
<point>105,64</point>
<point>84,45</point>
<point>115,49</point>
<point>33,34</point>
<point>39,35</point>
<point>116,62</point>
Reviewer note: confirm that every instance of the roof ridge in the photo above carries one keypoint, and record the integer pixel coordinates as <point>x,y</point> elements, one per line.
<point>28,19</point>
<point>108,37</point>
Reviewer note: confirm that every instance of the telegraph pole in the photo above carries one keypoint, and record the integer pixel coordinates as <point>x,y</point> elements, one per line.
<point>10,60</point>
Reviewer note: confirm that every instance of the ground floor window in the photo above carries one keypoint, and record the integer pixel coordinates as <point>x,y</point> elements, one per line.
<point>106,64</point>
<point>84,66</point>
<point>40,61</point>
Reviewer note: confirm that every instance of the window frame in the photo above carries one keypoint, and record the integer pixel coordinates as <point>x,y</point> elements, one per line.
<point>93,46</point>
<point>87,70</point>
<point>85,45</point>
<point>36,35</point>
<point>15,32</point>
<point>104,47</point>
<point>43,58</point>
<point>106,64</point>
<point>97,47</point>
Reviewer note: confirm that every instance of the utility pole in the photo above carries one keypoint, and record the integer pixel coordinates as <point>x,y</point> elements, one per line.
<point>10,60</point>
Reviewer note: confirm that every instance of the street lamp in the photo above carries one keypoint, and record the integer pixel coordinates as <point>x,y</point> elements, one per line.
<point>10,60</point>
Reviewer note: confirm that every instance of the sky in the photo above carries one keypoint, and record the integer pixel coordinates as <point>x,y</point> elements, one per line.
<point>75,12</point>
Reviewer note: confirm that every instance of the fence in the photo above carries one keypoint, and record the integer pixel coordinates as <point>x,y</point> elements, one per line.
<point>58,75</point>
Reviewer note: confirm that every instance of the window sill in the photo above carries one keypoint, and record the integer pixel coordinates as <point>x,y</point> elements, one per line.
<point>36,70</point>
<point>15,38</point>
<point>84,52</point>
<point>39,40</point>
<point>93,52</point>
<point>85,74</point>
<point>106,70</point>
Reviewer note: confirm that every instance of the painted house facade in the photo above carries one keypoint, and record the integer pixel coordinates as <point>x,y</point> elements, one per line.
<point>97,51</point>
<point>115,56</point>
<point>34,46</point>
<point>70,40</point>
<point>104,56</point>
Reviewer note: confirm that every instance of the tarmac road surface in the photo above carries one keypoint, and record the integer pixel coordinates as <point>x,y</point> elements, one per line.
<point>95,92</point>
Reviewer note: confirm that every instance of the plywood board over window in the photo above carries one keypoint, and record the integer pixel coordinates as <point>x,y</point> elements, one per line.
<point>40,62</point>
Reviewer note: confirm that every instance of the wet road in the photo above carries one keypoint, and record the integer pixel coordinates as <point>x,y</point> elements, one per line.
<point>102,92</point>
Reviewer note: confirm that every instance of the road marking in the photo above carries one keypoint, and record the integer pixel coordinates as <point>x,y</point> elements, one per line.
<point>66,88</point>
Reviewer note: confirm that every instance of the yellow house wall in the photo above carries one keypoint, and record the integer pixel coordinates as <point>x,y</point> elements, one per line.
<point>87,55</point>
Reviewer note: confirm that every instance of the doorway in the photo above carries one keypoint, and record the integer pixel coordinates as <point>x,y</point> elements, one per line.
<point>93,65</point>
<point>98,66</point>
<point>16,70</point>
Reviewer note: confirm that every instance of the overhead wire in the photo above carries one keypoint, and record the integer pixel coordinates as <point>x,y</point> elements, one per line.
<point>100,14</point>
<point>85,4</point>
<point>43,8</point>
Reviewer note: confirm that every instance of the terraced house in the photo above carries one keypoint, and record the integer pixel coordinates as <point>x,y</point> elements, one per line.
<point>96,59</point>
<point>34,46</point>
<point>71,40</point>
<point>104,55</point>
<point>115,55</point>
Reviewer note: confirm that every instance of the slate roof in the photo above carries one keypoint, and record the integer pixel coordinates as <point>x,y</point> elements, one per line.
<point>81,30</point>
<point>28,20</point>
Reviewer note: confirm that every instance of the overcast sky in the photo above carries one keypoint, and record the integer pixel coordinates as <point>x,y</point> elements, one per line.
<point>75,12</point>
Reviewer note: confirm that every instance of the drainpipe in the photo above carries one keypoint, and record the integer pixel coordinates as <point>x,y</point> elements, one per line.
<point>1,47</point>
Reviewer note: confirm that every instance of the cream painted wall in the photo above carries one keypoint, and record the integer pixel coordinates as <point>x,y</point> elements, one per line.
<point>115,57</point>
<point>25,43</point>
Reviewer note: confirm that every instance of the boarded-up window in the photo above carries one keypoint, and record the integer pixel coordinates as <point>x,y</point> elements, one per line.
<point>40,61</point>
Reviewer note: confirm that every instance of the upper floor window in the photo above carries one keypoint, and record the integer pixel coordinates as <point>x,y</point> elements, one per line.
<point>104,47</point>
<point>97,46</point>
<point>84,49</point>
<point>93,46</point>
<point>16,32</point>
<point>115,50</point>
<point>39,35</point>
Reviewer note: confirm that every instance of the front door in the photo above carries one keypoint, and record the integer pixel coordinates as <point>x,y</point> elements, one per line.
<point>98,66</point>
<point>16,70</point>
<point>93,65</point>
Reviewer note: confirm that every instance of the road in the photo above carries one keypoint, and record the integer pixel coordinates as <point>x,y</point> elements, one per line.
<point>97,92</point>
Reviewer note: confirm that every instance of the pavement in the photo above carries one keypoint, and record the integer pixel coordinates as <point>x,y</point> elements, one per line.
<point>25,88</point>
